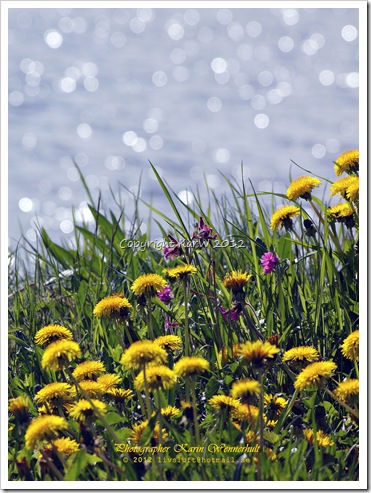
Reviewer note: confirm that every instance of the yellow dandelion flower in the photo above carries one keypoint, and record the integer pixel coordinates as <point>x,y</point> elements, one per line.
<point>88,370</point>
<point>346,390</point>
<point>169,343</point>
<point>42,428</point>
<point>157,377</point>
<point>181,272</point>
<point>283,216</point>
<point>54,392</point>
<point>66,446</point>
<point>302,187</point>
<point>59,353</point>
<point>245,388</point>
<point>236,280</point>
<point>323,440</point>
<point>170,412</point>
<point>19,407</point>
<point>148,284</point>
<point>339,211</point>
<point>221,402</point>
<point>141,353</point>
<point>114,306</point>
<point>271,423</point>
<point>120,395</point>
<point>347,162</point>
<point>257,352</point>
<point>301,353</point>
<point>223,355</point>
<point>314,375</point>
<point>191,365</point>
<point>137,430</point>
<point>274,404</point>
<point>109,380</point>
<point>92,388</point>
<point>342,186</point>
<point>352,192</point>
<point>350,346</point>
<point>246,412</point>
<point>83,409</point>
<point>52,333</point>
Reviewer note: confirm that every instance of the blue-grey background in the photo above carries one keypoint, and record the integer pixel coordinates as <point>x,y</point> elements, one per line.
<point>192,90</point>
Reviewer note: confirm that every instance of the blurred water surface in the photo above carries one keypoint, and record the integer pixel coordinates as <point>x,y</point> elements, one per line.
<point>195,91</point>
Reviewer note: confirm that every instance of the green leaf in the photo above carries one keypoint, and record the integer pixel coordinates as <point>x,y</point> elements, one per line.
<point>284,249</point>
<point>79,463</point>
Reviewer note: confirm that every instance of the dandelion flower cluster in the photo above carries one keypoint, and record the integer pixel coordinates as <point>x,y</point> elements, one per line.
<point>346,390</point>
<point>347,162</point>
<point>246,412</point>
<point>221,402</point>
<point>57,391</point>
<point>257,352</point>
<point>190,366</point>
<point>301,353</point>
<point>59,353</point>
<point>114,306</point>
<point>181,272</point>
<point>169,343</point>
<point>339,211</point>
<point>120,395</point>
<point>65,445</point>
<point>350,346</point>
<point>92,388</point>
<point>302,187</point>
<point>52,333</point>
<point>245,388</point>
<point>322,439</point>
<point>236,280</point>
<point>141,353</point>
<point>42,428</point>
<point>137,430</point>
<point>347,187</point>
<point>83,409</point>
<point>109,381</point>
<point>148,284</point>
<point>156,377</point>
<point>283,216</point>
<point>169,412</point>
<point>314,374</point>
<point>19,407</point>
<point>88,370</point>
<point>275,404</point>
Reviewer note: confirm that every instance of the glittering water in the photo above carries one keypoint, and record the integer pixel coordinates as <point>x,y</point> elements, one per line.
<point>192,90</point>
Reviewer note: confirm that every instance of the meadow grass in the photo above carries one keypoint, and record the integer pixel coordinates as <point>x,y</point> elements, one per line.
<point>247,409</point>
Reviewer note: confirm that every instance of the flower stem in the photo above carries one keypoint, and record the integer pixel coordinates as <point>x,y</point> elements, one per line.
<point>261,422</point>
<point>51,466</point>
<point>251,325</point>
<point>118,333</point>
<point>148,402</point>
<point>186,321</point>
<point>195,417</point>
<point>289,407</point>
<point>149,319</point>
<point>345,406</point>
<point>333,237</point>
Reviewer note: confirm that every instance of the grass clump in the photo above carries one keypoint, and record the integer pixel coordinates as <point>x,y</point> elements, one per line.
<point>227,351</point>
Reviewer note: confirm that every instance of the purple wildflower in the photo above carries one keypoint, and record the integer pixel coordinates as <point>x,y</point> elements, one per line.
<point>165,295</point>
<point>173,250</point>
<point>203,232</point>
<point>232,314</point>
<point>269,261</point>
<point>169,324</point>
